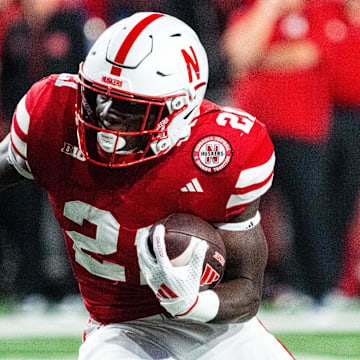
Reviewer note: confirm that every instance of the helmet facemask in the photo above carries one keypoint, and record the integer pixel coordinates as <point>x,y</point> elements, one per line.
<point>118,130</point>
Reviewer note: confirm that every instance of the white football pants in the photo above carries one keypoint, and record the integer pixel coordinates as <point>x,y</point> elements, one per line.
<point>158,337</point>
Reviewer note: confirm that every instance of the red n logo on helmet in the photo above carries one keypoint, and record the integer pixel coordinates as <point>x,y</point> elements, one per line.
<point>191,64</point>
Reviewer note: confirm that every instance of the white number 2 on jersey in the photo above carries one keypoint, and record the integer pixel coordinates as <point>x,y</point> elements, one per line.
<point>244,122</point>
<point>105,243</point>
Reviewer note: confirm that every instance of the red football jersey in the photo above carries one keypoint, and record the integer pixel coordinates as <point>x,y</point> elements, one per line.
<point>226,163</point>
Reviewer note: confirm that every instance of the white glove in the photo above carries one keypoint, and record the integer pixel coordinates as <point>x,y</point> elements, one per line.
<point>176,288</point>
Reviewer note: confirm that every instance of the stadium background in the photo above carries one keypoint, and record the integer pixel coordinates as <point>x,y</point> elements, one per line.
<point>41,314</point>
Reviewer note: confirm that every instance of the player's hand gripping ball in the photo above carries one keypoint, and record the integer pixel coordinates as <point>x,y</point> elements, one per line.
<point>182,233</point>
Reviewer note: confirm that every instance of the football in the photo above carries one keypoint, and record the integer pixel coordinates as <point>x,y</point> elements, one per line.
<point>182,233</point>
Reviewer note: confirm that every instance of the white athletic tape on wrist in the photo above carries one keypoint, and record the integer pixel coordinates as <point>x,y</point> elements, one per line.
<point>205,308</point>
<point>240,226</point>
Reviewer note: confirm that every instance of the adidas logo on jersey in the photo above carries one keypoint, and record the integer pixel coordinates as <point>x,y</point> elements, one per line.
<point>192,186</point>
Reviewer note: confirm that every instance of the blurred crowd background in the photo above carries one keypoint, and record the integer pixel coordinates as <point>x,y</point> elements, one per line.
<point>294,64</point>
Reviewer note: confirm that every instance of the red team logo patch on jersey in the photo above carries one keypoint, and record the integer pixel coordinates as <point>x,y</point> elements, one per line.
<point>212,154</point>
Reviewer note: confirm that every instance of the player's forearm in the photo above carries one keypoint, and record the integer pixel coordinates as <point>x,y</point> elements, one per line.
<point>241,289</point>
<point>239,300</point>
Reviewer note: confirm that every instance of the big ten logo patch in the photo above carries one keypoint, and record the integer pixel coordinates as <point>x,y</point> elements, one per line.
<point>73,151</point>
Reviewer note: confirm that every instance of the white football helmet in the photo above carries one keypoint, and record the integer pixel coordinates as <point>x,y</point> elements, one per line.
<point>140,87</point>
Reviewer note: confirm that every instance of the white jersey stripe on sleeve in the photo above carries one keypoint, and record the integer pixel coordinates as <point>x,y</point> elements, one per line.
<point>256,174</point>
<point>20,164</point>
<point>17,153</point>
<point>22,116</point>
<point>19,145</point>
<point>241,199</point>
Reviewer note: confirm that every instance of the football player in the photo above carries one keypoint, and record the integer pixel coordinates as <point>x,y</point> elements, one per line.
<point>125,143</point>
